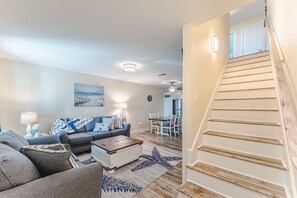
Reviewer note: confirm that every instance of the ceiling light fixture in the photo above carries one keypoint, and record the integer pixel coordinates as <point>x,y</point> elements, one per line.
<point>214,44</point>
<point>172,87</point>
<point>130,67</point>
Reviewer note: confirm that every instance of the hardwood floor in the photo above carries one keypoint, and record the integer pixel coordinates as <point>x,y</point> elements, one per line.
<point>166,185</point>
<point>165,141</point>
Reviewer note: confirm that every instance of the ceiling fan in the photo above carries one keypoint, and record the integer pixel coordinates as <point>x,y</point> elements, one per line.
<point>172,86</point>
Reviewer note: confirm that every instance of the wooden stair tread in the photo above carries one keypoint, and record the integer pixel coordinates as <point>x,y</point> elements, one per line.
<point>251,81</point>
<point>256,67</point>
<point>250,89</point>
<point>250,183</point>
<point>244,156</point>
<point>246,56</point>
<point>261,61</point>
<point>248,75</point>
<point>243,109</point>
<point>255,98</point>
<point>244,137</point>
<point>245,122</point>
<point>193,190</point>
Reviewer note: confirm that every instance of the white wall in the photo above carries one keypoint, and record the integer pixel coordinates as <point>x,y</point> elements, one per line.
<point>284,15</point>
<point>237,28</point>
<point>201,71</point>
<point>50,92</point>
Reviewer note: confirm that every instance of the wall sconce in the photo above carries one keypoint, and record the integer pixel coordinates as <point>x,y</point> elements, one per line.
<point>214,44</point>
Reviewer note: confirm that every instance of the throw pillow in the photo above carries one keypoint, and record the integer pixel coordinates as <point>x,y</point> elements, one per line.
<point>13,139</point>
<point>15,168</point>
<point>50,159</point>
<point>101,127</point>
<point>109,121</point>
<point>118,123</point>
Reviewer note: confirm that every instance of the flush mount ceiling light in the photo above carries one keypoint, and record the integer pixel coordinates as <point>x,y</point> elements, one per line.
<point>214,44</point>
<point>130,67</point>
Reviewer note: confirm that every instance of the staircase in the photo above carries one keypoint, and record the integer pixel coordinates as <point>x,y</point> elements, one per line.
<point>243,153</point>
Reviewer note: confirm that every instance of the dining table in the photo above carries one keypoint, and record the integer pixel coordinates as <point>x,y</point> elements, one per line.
<point>162,120</point>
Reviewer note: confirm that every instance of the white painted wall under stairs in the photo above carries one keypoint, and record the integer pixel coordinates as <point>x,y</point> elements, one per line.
<point>243,138</point>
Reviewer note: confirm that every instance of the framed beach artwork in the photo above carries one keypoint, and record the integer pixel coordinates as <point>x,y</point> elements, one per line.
<point>88,95</point>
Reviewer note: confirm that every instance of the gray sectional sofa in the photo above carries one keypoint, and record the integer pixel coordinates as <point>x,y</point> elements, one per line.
<point>84,181</point>
<point>80,141</point>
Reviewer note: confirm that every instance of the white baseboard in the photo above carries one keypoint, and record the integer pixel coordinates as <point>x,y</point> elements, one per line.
<point>140,130</point>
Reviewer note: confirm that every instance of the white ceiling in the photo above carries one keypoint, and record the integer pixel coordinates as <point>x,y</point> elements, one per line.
<point>98,36</point>
<point>251,10</point>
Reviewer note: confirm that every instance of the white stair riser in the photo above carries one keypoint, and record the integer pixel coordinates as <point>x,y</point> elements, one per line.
<point>248,78</point>
<point>252,85</point>
<point>262,172</point>
<point>252,56</point>
<point>263,103</point>
<point>247,67</point>
<point>250,61</point>
<point>220,186</point>
<point>246,129</point>
<point>265,116</point>
<point>247,94</point>
<point>248,72</point>
<point>257,148</point>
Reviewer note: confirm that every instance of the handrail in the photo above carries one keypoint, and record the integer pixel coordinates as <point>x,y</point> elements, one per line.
<point>287,93</point>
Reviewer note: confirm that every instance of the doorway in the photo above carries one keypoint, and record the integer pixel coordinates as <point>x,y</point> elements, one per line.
<point>253,38</point>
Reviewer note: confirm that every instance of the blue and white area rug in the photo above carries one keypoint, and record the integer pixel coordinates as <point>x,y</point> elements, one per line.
<point>128,180</point>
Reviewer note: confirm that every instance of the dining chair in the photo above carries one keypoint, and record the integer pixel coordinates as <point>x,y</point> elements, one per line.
<point>177,125</point>
<point>154,125</point>
<point>159,115</point>
<point>169,127</point>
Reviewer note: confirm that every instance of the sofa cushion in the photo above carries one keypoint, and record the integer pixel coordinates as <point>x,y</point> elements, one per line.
<point>13,139</point>
<point>101,127</point>
<point>80,138</point>
<point>110,121</point>
<point>15,168</point>
<point>118,132</point>
<point>90,126</point>
<point>82,129</point>
<point>99,135</point>
<point>50,159</point>
<point>118,123</point>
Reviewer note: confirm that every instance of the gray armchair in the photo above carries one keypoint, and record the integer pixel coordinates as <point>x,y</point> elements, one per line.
<point>84,181</point>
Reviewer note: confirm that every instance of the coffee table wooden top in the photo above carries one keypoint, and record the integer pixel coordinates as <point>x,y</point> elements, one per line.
<point>113,144</point>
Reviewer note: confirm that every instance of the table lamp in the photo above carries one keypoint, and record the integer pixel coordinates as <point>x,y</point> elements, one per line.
<point>29,118</point>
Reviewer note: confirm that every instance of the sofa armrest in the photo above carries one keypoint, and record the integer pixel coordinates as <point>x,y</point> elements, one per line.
<point>51,139</point>
<point>84,181</point>
<point>63,137</point>
<point>127,127</point>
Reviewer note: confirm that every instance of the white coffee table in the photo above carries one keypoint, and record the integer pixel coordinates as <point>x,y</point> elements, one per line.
<point>117,151</point>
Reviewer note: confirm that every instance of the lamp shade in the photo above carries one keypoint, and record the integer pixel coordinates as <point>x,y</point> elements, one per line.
<point>29,118</point>
<point>121,105</point>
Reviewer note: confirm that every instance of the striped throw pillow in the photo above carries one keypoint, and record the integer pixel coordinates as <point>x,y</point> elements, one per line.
<point>49,159</point>
<point>110,121</point>
<point>118,123</point>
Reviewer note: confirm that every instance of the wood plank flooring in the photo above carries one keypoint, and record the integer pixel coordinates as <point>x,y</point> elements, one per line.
<point>165,186</point>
